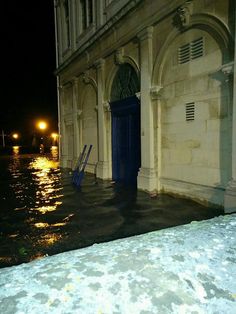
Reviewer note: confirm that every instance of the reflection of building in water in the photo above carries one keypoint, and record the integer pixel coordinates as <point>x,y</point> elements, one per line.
<point>149,84</point>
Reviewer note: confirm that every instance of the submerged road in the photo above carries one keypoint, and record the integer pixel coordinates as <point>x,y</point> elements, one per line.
<point>185,269</point>
<point>42,213</point>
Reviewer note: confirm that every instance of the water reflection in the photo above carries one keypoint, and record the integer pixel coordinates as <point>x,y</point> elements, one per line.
<point>50,239</point>
<point>54,152</point>
<point>46,225</point>
<point>46,178</point>
<point>16,150</point>
<point>42,213</point>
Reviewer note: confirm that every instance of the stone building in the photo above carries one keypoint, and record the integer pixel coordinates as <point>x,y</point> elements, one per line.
<point>150,85</point>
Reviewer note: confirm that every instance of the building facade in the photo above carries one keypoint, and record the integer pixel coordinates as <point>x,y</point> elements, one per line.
<point>150,84</point>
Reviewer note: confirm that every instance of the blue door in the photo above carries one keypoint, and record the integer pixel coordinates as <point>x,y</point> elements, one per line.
<point>126,144</point>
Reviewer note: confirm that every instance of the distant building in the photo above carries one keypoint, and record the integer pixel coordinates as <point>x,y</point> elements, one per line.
<point>150,85</point>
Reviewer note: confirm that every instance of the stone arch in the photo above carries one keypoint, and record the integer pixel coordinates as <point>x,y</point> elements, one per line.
<point>115,68</point>
<point>185,142</point>
<point>125,83</point>
<point>206,22</point>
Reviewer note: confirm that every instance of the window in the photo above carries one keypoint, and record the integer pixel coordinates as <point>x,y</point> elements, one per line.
<point>67,21</point>
<point>191,51</point>
<point>125,84</point>
<point>87,13</point>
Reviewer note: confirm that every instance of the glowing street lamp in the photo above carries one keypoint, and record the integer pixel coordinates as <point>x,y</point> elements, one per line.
<point>15,136</point>
<point>42,125</point>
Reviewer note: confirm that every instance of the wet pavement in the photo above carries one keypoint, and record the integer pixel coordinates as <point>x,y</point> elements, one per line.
<point>42,213</point>
<point>185,269</point>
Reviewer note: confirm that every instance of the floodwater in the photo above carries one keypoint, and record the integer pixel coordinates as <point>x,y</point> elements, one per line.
<point>42,213</point>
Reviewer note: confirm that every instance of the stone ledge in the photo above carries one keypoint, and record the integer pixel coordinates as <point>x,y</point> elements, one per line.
<point>190,268</point>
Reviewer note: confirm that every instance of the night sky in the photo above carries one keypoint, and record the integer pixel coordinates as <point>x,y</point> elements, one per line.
<point>28,84</point>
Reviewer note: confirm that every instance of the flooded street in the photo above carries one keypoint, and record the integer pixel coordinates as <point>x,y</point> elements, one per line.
<point>42,213</point>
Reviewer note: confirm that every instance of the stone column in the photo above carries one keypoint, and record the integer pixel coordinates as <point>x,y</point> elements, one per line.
<point>156,103</point>
<point>62,135</point>
<point>76,141</point>
<point>230,193</point>
<point>103,164</point>
<point>147,173</point>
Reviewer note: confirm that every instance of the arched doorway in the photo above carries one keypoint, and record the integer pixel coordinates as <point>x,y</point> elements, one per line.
<point>125,111</point>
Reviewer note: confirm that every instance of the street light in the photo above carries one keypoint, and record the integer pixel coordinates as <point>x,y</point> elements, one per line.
<point>42,125</point>
<point>15,136</point>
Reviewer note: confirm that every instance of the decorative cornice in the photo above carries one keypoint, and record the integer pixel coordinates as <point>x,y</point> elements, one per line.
<point>100,32</point>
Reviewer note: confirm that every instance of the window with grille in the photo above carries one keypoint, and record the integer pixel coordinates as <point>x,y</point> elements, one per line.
<point>191,51</point>
<point>190,111</point>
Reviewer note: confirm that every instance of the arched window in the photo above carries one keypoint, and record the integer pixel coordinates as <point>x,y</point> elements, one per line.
<point>125,84</point>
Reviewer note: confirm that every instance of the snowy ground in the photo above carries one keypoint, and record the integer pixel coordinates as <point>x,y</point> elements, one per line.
<point>186,269</point>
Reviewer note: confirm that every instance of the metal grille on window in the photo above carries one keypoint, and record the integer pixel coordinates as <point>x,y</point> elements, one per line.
<point>191,51</point>
<point>190,111</point>
<point>197,48</point>
<point>184,54</point>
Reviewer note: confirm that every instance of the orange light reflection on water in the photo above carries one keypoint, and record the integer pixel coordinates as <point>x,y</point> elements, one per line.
<point>46,176</point>
<point>46,225</point>
<point>16,150</point>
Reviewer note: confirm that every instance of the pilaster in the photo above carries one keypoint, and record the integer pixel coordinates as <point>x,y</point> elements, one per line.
<point>103,164</point>
<point>62,138</point>
<point>147,173</point>
<point>76,141</point>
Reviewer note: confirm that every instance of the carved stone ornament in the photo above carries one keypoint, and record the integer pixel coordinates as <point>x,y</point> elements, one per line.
<point>155,92</point>
<point>224,73</point>
<point>79,112</point>
<point>227,70</point>
<point>119,56</point>
<point>86,78</point>
<point>106,106</point>
<point>181,19</point>
<point>138,95</point>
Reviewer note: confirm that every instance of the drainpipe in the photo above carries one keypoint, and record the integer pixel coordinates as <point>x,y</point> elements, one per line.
<point>58,80</point>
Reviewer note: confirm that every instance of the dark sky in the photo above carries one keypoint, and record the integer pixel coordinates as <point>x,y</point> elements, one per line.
<point>28,84</point>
